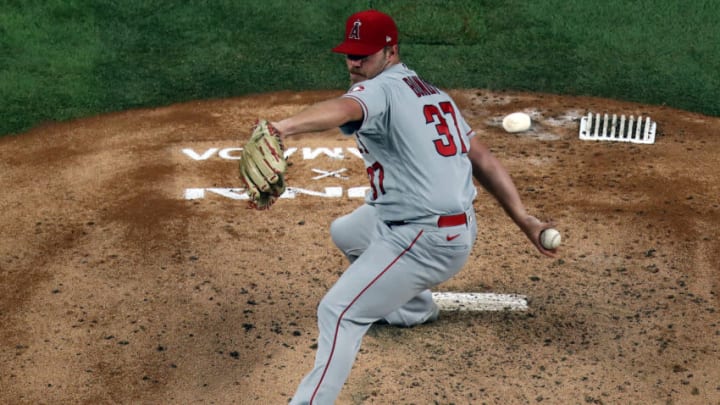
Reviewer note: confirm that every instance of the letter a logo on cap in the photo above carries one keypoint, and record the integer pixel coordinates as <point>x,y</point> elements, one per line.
<point>355,32</point>
<point>378,31</point>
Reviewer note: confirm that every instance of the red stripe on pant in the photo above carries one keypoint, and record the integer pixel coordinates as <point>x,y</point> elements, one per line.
<point>337,326</point>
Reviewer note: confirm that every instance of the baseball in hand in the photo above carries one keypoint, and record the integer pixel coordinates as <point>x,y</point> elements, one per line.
<point>550,238</point>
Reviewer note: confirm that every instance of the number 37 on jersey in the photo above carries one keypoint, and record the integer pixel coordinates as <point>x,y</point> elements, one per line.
<point>444,119</point>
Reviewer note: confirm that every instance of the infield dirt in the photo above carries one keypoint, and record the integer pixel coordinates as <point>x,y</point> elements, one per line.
<point>115,287</point>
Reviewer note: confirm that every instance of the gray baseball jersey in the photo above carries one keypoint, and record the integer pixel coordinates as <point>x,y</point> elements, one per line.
<point>414,142</point>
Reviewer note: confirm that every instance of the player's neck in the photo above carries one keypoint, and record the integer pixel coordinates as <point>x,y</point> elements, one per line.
<point>390,63</point>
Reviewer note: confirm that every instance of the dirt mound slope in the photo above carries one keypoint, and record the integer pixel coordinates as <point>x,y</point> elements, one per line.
<point>132,272</point>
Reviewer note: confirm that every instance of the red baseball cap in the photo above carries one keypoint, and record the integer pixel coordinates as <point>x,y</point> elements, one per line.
<point>367,32</point>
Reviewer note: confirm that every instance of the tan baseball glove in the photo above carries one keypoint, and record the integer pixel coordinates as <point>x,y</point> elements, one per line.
<point>263,166</point>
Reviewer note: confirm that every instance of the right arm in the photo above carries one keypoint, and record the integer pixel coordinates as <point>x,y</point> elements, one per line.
<point>494,178</point>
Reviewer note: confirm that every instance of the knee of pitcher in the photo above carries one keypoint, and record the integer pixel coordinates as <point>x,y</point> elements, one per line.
<point>329,309</point>
<point>338,234</point>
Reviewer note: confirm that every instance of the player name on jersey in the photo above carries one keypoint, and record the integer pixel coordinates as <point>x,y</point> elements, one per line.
<point>420,86</point>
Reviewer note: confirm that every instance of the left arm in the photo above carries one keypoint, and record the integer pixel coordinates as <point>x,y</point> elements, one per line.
<point>322,116</point>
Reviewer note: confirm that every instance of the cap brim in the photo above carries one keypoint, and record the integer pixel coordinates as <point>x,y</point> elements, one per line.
<point>354,48</point>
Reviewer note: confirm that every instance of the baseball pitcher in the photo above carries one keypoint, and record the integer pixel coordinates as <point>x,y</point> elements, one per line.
<point>417,226</point>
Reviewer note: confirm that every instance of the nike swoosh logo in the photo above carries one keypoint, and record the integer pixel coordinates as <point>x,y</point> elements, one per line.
<point>452,237</point>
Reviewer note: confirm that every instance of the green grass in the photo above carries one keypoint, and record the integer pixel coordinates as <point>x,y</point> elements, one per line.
<point>63,59</point>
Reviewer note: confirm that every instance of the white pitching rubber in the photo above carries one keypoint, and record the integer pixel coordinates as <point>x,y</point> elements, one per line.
<point>448,301</point>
